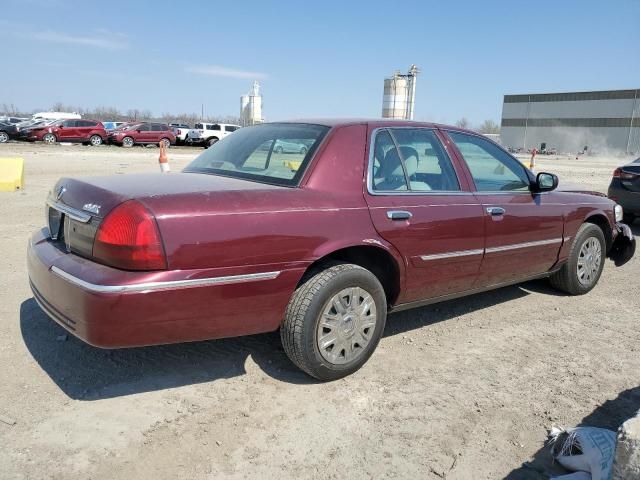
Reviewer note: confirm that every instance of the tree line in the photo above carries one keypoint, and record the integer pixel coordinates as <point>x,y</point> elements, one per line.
<point>104,114</point>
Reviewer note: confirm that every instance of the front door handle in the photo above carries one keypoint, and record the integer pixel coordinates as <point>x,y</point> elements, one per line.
<point>495,211</point>
<point>398,215</point>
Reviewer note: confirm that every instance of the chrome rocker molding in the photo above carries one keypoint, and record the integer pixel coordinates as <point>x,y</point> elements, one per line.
<point>461,253</point>
<point>150,286</point>
<point>504,248</point>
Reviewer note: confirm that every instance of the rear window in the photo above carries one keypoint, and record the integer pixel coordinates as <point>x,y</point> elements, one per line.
<point>276,153</point>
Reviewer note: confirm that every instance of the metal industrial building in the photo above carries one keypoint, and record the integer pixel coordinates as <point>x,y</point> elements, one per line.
<point>603,121</point>
<point>399,94</point>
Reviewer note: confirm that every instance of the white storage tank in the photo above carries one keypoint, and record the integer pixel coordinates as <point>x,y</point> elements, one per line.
<point>251,106</point>
<point>399,95</point>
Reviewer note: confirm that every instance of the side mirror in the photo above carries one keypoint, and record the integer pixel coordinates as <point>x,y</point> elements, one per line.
<point>545,182</point>
<point>60,126</point>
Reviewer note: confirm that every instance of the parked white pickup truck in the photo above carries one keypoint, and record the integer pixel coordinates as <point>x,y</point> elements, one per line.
<point>180,130</point>
<point>209,133</point>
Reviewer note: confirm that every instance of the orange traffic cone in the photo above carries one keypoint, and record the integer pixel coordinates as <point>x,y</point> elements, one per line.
<point>163,160</point>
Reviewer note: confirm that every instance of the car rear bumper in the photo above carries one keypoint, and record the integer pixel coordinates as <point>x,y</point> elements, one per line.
<point>110,308</point>
<point>629,200</point>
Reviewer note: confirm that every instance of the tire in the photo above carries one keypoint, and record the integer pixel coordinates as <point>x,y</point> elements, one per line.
<point>211,141</point>
<point>49,138</point>
<point>166,141</point>
<point>315,300</point>
<point>4,137</point>
<point>303,151</point>
<point>279,149</point>
<point>127,142</point>
<point>95,140</point>
<point>569,278</point>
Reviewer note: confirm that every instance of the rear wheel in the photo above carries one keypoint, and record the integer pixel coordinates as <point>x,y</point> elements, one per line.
<point>49,138</point>
<point>303,150</point>
<point>166,142</point>
<point>279,149</point>
<point>334,321</point>
<point>582,270</point>
<point>95,140</point>
<point>127,142</point>
<point>4,137</point>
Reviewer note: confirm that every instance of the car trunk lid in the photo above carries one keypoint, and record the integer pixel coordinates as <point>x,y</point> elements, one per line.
<point>76,206</point>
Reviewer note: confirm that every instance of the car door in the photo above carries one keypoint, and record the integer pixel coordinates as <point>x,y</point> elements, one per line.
<point>83,128</point>
<point>524,230</point>
<point>68,130</point>
<point>145,134</point>
<point>421,204</point>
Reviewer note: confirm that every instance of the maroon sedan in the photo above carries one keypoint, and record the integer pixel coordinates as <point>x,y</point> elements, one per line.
<point>374,217</point>
<point>85,131</point>
<point>143,133</point>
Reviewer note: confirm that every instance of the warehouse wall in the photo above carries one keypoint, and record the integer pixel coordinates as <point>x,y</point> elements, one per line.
<point>605,121</point>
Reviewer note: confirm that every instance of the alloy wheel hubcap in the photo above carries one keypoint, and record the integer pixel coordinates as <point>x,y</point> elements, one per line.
<point>3,137</point>
<point>346,325</point>
<point>589,260</point>
<point>96,141</point>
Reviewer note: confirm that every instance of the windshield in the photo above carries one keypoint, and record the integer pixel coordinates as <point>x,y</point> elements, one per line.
<point>272,153</point>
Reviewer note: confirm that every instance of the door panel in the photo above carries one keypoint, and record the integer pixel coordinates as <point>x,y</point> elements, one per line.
<point>442,242</point>
<point>418,202</point>
<point>524,240</point>
<point>524,230</point>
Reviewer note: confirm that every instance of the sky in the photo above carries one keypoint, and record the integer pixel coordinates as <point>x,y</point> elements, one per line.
<point>312,59</point>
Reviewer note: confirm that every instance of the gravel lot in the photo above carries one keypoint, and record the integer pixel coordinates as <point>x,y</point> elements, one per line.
<point>465,389</point>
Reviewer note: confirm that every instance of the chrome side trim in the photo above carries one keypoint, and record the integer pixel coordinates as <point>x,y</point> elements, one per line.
<point>461,253</point>
<point>515,246</point>
<point>150,286</point>
<point>77,215</point>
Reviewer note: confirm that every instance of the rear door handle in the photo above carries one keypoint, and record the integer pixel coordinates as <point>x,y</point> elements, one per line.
<point>398,215</point>
<point>495,211</point>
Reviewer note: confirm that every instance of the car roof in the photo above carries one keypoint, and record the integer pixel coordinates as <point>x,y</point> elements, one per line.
<point>375,123</point>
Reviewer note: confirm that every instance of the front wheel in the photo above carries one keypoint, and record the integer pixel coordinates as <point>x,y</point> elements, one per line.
<point>211,141</point>
<point>334,321</point>
<point>4,137</point>
<point>49,138</point>
<point>582,270</point>
<point>95,140</point>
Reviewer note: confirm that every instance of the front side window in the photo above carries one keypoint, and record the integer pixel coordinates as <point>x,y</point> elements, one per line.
<point>412,159</point>
<point>214,127</point>
<point>492,169</point>
<point>276,153</point>
<point>230,128</point>
<point>69,123</point>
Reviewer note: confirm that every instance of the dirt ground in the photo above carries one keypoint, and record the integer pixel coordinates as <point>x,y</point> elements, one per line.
<point>461,390</point>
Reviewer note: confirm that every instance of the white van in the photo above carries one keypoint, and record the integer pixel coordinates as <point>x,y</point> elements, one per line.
<point>56,116</point>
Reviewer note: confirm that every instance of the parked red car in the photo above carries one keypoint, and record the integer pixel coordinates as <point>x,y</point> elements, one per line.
<point>85,131</point>
<point>376,216</point>
<point>143,133</point>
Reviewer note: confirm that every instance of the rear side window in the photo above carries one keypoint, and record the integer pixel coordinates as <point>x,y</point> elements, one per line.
<point>492,168</point>
<point>157,128</point>
<point>412,159</point>
<point>230,128</point>
<point>388,173</point>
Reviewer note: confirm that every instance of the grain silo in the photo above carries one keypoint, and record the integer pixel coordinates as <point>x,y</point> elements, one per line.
<point>251,106</point>
<point>399,95</point>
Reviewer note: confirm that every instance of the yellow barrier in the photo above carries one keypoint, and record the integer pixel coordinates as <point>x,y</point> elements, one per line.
<point>292,165</point>
<point>11,174</point>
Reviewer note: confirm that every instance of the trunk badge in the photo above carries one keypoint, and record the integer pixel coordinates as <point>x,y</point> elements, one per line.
<point>61,191</point>
<point>92,207</point>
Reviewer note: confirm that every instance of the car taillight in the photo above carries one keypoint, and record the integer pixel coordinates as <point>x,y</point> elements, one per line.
<point>616,173</point>
<point>129,238</point>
